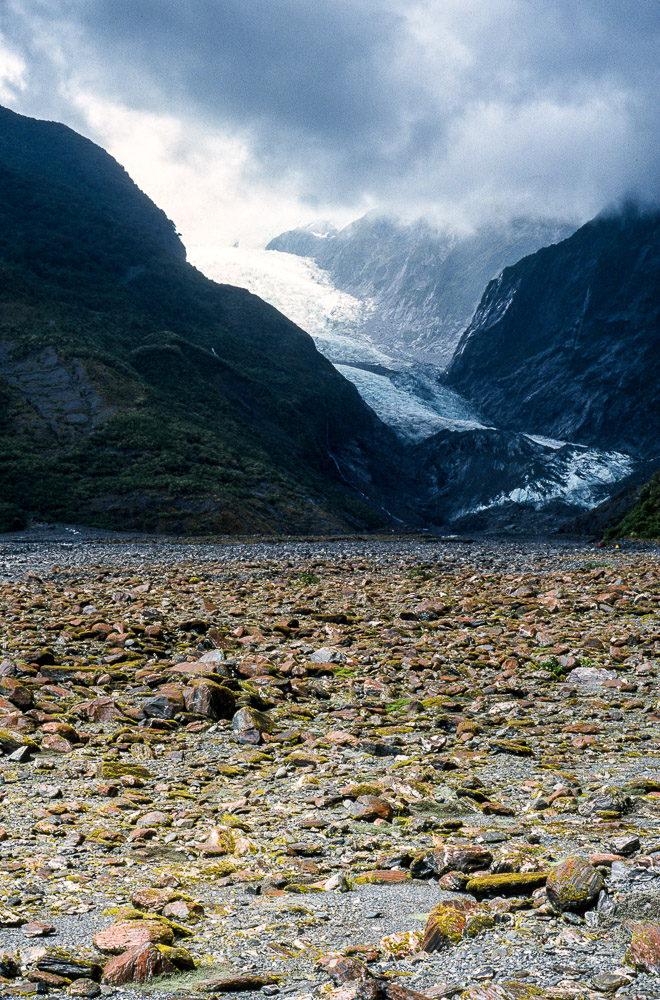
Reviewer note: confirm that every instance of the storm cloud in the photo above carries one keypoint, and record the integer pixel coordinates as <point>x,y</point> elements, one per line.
<point>543,105</point>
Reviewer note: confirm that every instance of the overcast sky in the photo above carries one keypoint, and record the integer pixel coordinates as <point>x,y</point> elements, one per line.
<point>245,117</point>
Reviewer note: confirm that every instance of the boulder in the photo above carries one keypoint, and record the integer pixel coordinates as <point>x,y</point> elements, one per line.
<point>574,885</point>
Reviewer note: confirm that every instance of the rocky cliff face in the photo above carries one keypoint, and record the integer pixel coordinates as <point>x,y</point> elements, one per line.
<point>566,343</point>
<point>422,283</point>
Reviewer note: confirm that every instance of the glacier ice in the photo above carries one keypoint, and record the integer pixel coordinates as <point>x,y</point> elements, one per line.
<point>406,394</point>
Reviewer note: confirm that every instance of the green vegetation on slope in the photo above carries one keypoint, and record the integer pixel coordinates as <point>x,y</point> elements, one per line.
<point>643,521</point>
<point>214,412</point>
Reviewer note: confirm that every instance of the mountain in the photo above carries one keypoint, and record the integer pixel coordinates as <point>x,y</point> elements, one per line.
<point>135,392</point>
<point>421,284</point>
<point>406,394</point>
<point>566,343</point>
<point>467,469</point>
<point>51,152</point>
<point>642,520</point>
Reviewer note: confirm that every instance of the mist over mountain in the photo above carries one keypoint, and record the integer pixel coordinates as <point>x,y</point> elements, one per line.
<point>422,283</point>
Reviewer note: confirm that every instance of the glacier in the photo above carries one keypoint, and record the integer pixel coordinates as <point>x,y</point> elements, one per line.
<point>405,393</point>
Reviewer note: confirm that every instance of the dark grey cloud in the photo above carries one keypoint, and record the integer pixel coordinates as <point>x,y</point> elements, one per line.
<point>400,101</point>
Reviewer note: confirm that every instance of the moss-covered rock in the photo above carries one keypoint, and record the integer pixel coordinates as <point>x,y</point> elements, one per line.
<point>574,885</point>
<point>506,884</point>
<point>11,741</point>
<point>111,770</point>
<point>644,950</point>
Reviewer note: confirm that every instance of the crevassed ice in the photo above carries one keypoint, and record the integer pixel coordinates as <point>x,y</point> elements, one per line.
<point>416,408</point>
<point>413,418</point>
<point>577,477</point>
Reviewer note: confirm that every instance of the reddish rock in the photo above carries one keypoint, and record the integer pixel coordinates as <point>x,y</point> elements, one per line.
<point>63,730</point>
<point>459,857</point>
<point>153,899</point>
<point>497,809</point>
<point>196,669</point>
<point>446,924</point>
<point>453,881</point>
<point>131,934</point>
<point>249,726</point>
<point>137,966</point>
<point>385,876</point>
<point>574,885</point>
<point>369,807</point>
<point>205,697</point>
<point>580,742</point>
<point>342,969</point>
<point>181,909</point>
<point>605,859</point>
<point>644,949</point>
<point>56,744</point>
<point>155,818</point>
<point>35,929</point>
<point>102,710</point>
<point>16,692</point>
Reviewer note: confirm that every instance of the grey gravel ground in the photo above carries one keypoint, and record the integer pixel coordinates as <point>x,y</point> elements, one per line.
<point>43,546</point>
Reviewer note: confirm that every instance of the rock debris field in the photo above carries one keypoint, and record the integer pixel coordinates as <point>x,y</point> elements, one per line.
<point>352,769</point>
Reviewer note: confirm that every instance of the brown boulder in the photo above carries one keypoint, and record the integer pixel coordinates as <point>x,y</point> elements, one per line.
<point>130,934</point>
<point>574,885</point>
<point>17,693</point>
<point>214,701</point>
<point>370,807</point>
<point>644,950</point>
<point>459,858</point>
<point>153,899</point>
<point>343,969</point>
<point>137,966</point>
<point>249,725</point>
<point>446,924</point>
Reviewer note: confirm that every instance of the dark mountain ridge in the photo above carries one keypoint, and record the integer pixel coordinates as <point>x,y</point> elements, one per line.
<point>136,392</point>
<point>566,343</point>
<point>55,153</point>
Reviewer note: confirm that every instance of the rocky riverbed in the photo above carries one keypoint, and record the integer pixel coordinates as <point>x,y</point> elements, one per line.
<point>363,769</point>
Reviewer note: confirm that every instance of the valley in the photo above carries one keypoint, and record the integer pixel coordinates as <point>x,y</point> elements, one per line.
<point>338,380</point>
<point>542,479</point>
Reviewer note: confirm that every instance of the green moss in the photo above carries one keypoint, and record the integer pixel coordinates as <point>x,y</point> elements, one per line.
<point>507,884</point>
<point>113,769</point>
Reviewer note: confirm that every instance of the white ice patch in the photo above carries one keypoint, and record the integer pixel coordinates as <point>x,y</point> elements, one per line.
<point>414,404</point>
<point>496,308</point>
<point>411,417</point>
<point>546,442</point>
<point>294,285</point>
<point>577,477</point>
